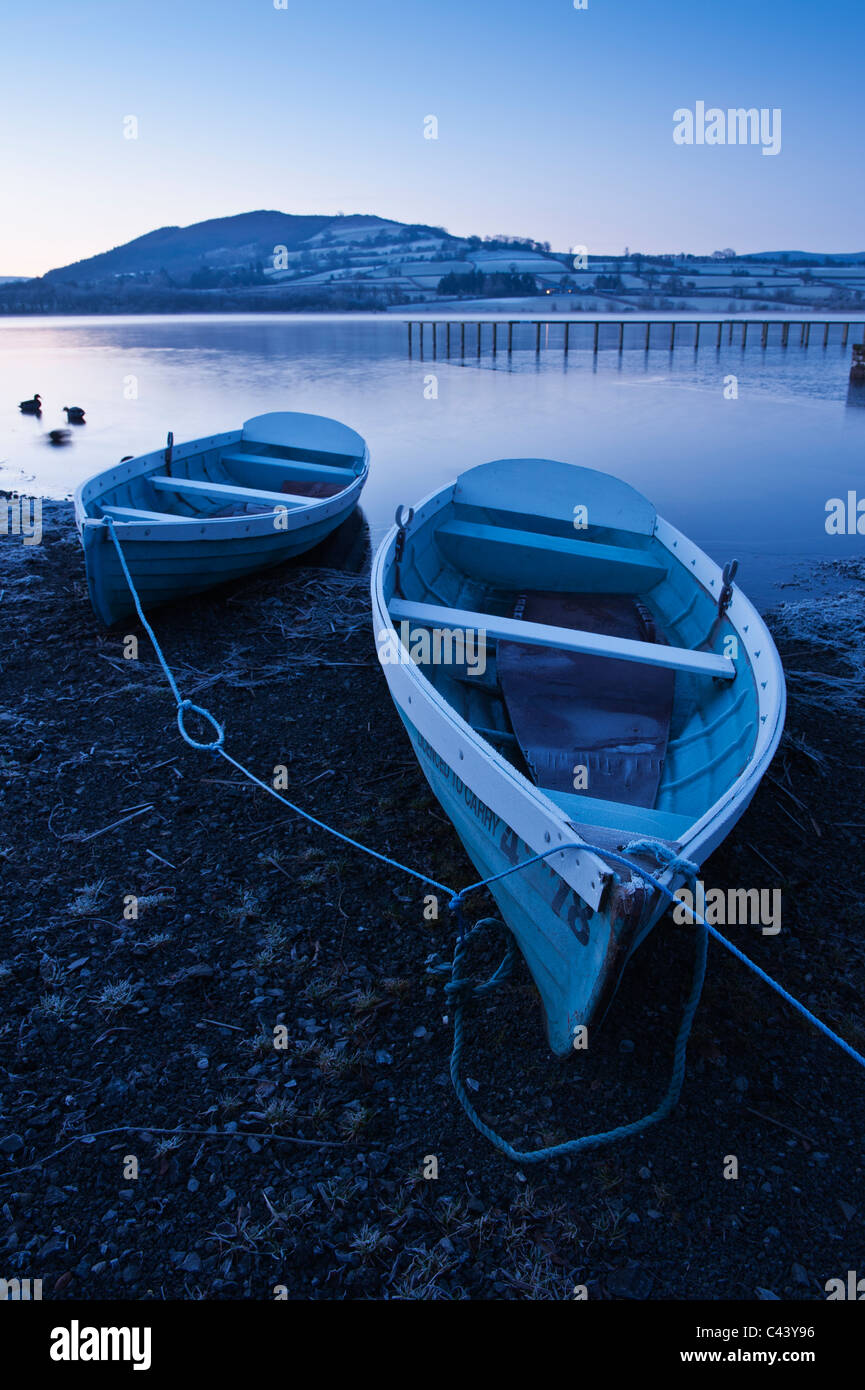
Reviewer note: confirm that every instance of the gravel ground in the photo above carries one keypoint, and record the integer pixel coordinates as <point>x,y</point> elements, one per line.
<point>153,1140</point>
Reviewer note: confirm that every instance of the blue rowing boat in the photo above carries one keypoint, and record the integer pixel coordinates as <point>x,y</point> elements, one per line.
<point>571,669</point>
<point>194,515</point>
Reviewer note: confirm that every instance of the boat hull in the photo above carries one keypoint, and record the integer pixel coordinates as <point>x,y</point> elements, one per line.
<point>576,915</point>
<point>165,569</point>
<point>215,509</point>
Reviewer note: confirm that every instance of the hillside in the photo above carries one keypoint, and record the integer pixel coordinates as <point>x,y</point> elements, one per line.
<point>222,243</point>
<point>269,261</point>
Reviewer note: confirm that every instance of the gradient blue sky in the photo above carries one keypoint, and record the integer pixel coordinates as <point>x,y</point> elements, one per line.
<point>553,123</point>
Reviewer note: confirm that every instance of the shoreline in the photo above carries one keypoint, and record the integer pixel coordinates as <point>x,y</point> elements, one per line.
<point>248,918</point>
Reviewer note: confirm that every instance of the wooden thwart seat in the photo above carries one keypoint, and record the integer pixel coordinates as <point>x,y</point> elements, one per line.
<point>568,639</point>
<point>195,487</point>
<point>322,472</point>
<point>494,553</point>
<point>139,514</point>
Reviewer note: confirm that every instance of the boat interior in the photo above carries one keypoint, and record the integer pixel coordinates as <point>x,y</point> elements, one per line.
<point>244,478</point>
<point>625,748</point>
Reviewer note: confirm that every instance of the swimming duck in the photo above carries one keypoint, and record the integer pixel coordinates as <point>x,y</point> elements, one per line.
<point>33,407</point>
<point>59,436</point>
<point>74,414</point>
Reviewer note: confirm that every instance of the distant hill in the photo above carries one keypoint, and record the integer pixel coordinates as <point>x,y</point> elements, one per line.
<point>222,243</point>
<point>795,257</point>
<point>277,262</point>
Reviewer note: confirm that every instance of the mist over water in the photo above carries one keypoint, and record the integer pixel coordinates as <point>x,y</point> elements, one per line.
<point>748,476</point>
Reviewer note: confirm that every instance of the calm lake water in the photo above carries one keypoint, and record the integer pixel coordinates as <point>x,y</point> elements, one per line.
<point>748,476</point>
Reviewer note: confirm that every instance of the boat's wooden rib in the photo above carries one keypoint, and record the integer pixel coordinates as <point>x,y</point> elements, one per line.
<point>575,750</point>
<point>222,518</point>
<point>566,639</point>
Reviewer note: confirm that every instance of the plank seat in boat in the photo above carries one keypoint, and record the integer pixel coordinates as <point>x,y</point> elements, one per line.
<point>574,640</point>
<point>230,492</point>
<point>577,712</point>
<point>311,489</point>
<point>325,472</point>
<point>494,554</point>
<point>140,514</point>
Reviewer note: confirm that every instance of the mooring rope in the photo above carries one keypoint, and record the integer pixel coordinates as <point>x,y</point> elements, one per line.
<point>459,988</point>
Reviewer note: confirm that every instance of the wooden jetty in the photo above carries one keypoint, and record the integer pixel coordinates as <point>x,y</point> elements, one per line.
<point>473,337</point>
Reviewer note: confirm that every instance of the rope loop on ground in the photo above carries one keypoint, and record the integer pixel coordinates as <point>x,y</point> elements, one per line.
<point>216,743</point>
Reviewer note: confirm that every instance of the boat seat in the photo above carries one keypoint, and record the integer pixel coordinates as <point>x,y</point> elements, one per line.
<point>615,815</point>
<point>234,492</point>
<point>567,639</point>
<point>139,514</point>
<point>323,472</point>
<point>509,558</point>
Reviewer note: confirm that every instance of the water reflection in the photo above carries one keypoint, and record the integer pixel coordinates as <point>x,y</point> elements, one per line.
<point>746,472</point>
